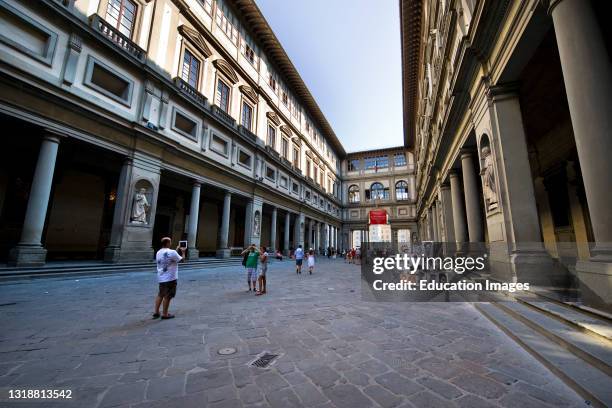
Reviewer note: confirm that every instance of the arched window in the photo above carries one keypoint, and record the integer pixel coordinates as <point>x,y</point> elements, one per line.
<point>353,194</point>
<point>378,192</point>
<point>401,190</point>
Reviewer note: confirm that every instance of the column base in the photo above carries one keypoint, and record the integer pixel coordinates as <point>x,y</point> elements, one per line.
<point>595,284</point>
<point>23,255</point>
<point>539,269</point>
<point>193,254</point>
<point>224,253</point>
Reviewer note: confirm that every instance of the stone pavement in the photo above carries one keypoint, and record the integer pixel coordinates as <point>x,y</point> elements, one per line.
<point>94,336</point>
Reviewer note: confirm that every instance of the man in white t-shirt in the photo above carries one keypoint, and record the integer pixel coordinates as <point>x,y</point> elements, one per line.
<point>167,273</point>
<point>299,258</point>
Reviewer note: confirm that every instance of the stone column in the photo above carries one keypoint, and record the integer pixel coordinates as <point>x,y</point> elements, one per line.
<point>298,230</point>
<point>287,233</point>
<point>192,228</point>
<point>273,229</point>
<point>447,213</point>
<point>248,223</point>
<point>29,251</point>
<point>429,224</point>
<point>434,219</point>
<point>111,252</point>
<point>587,74</point>
<point>224,251</point>
<point>458,211</point>
<point>578,219</point>
<point>472,197</point>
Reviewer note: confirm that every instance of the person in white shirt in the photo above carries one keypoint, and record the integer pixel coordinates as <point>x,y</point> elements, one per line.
<point>167,274</point>
<point>299,258</point>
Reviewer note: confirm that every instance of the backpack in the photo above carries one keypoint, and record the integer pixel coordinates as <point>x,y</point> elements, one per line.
<point>244,259</point>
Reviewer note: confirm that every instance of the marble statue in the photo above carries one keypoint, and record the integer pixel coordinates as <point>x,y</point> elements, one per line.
<point>141,206</point>
<point>488,182</point>
<point>257,224</point>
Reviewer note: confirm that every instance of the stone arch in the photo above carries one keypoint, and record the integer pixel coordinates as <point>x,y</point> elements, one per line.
<point>249,93</point>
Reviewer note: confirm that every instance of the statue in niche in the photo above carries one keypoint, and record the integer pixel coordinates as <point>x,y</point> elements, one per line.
<point>140,208</point>
<point>489,188</point>
<point>257,224</point>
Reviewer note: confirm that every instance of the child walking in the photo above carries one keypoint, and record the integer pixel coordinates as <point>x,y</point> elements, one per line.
<point>311,261</point>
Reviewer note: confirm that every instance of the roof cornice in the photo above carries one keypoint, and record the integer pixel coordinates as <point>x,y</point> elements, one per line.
<point>410,31</point>
<point>261,30</point>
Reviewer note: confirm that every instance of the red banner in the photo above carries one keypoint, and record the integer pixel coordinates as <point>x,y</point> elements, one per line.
<point>378,217</point>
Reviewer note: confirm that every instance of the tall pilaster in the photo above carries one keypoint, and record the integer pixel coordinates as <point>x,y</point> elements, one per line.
<point>434,219</point>
<point>29,251</point>
<point>287,233</point>
<point>472,197</point>
<point>273,229</point>
<point>248,223</point>
<point>111,253</point>
<point>224,251</point>
<point>447,213</point>
<point>458,210</point>
<point>192,228</point>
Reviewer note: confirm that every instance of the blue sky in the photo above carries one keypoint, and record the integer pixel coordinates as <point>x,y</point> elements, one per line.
<point>348,54</point>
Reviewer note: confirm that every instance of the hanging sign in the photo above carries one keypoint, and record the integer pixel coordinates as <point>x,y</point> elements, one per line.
<point>378,217</point>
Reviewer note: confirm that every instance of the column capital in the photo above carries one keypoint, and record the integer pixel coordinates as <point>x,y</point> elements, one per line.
<point>453,174</point>
<point>466,152</point>
<point>228,194</point>
<point>196,183</point>
<point>503,91</point>
<point>550,5</point>
<point>52,136</point>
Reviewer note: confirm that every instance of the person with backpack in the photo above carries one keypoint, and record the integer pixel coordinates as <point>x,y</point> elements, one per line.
<point>250,257</point>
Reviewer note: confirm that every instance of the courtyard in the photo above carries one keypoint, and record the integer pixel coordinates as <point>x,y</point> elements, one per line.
<point>94,336</point>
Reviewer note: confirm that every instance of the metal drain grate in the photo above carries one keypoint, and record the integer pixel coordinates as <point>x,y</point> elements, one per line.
<point>264,360</point>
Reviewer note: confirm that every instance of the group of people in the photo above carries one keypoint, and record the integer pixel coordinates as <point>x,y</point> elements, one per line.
<point>255,261</point>
<point>352,255</point>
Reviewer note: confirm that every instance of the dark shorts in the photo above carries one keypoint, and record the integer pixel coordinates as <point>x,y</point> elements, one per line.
<point>298,262</point>
<point>167,289</point>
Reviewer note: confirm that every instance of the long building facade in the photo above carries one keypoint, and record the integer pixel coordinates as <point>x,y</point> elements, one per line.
<point>128,120</point>
<point>125,121</point>
<point>508,107</point>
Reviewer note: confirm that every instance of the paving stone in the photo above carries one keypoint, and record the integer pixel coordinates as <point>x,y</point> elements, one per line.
<point>440,368</point>
<point>166,387</point>
<point>441,388</point>
<point>221,394</point>
<point>271,381</point>
<point>373,367</point>
<point>295,378</point>
<point>124,394</point>
<point>356,377</point>
<point>480,385</point>
<point>284,398</point>
<point>208,379</point>
<point>398,384</point>
<point>250,394</point>
<point>427,399</point>
<point>347,396</point>
<point>472,401</point>
<point>309,394</point>
<point>323,376</point>
<point>382,397</point>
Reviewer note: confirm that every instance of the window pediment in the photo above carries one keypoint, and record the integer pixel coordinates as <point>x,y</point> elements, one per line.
<point>196,39</point>
<point>225,67</point>
<point>286,130</point>
<point>249,93</point>
<point>273,117</point>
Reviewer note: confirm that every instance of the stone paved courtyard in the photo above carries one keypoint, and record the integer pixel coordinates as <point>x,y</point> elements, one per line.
<point>95,337</point>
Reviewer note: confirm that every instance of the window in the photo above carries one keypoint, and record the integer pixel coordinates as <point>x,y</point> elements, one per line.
<point>400,159</point>
<point>285,98</point>
<point>284,182</point>
<point>308,168</point>
<point>295,188</point>
<point>219,145</point>
<point>245,159</point>
<point>108,82</point>
<point>377,192</point>
<point>191,69</point>
<point>226,24</point>
<point>184,125</point>
<point>223,95</point>
<point>296,157</point>
<point>270,173</point>
<point>271,136</point>
<point>121,14</point>
<point>315,173</point>
<point>247,115</point>
<point>353,194</point>
<point>353,165</point>
<point>401,190</point>
<point>249,53</point>
<point>376,162</point>
<point>207,4</point>
<point>285,147</point>
<point>272,82</point>
<point>307,195</point>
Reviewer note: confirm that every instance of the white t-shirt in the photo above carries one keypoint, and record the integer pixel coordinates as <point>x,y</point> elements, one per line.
<point>167,264</point>
<point>299,253</point>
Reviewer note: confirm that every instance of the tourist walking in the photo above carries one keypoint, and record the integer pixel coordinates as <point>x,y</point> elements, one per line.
<point>311,261</point>
<point>252,256</point>
<point>261,278</point>
<point>167,261</point>
<point>299,258</point>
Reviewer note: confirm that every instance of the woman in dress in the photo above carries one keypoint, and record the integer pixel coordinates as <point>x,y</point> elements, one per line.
<point>311,261</point>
